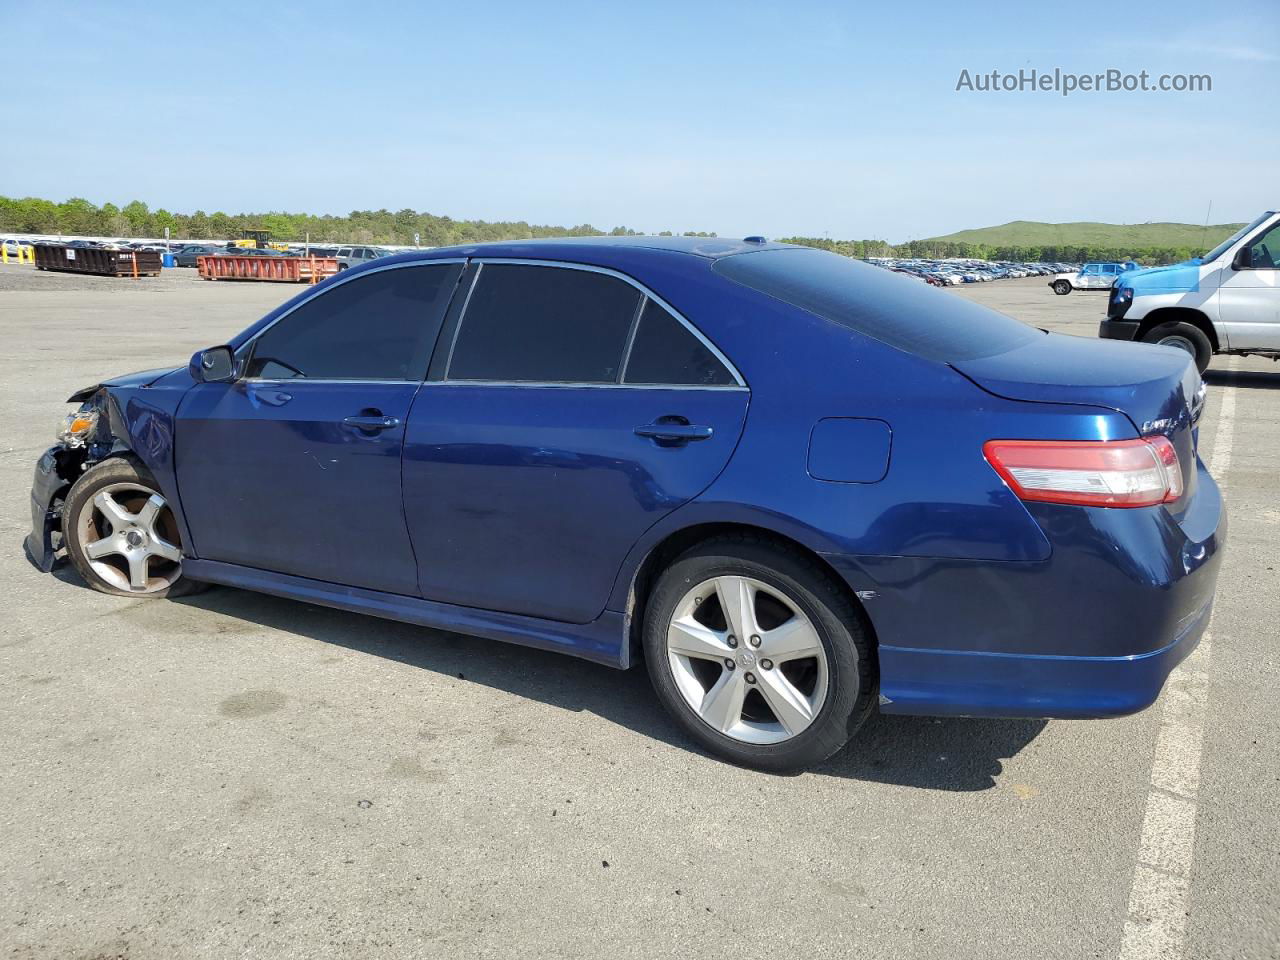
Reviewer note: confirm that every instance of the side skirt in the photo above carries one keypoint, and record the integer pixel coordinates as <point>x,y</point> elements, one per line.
<point>600,641</point>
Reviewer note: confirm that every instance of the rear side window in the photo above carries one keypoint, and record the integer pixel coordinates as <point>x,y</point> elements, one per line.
<point>665,351</point>
<point>895,310</point>
<point>544,324</point>
<point>379,326</point>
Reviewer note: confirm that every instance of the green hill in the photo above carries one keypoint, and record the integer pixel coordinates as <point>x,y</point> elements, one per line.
<point>1139,236</point>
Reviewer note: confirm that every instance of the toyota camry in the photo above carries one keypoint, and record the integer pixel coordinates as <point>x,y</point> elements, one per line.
<point>796,487</point>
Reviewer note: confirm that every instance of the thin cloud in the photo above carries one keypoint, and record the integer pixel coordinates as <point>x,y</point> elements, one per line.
<point>1216,51</point>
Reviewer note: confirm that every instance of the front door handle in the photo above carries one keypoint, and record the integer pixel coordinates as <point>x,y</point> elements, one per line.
<point>675,432</point>
<point>371,424</point>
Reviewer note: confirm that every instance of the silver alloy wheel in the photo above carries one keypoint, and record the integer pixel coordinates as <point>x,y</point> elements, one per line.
<point>1179,341</point>
<point>124,533</point>
<point>747,660</point>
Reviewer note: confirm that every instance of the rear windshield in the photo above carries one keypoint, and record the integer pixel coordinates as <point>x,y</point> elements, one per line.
<point>904,313</point>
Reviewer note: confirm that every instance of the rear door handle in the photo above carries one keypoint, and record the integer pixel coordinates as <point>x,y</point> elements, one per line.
<point>371,424</point>
<point>674,432</point>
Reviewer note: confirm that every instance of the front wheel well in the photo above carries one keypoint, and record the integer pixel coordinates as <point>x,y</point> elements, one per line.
<point>662,555</point>
<point>1179,315</point>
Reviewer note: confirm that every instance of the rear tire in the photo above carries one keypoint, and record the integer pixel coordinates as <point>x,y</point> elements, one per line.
<point>802,680</point>
<point>121,535</point>
<point>1061,288</point>
<point>1184,336</point>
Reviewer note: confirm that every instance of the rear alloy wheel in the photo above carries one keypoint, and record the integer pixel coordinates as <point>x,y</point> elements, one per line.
<point>121,534</point>
<point>1061,288</point>
<point>1186,337</point>
<point>758,654</point>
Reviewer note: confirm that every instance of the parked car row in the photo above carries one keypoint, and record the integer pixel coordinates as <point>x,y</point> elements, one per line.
<point>943,273</point>
<point>186,253</point>
<point>346,256</point>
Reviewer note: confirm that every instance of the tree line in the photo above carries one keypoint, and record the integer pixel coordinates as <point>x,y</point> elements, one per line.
<point>79,217</point>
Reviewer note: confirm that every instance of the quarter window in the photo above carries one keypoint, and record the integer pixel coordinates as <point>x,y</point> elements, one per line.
<point>544,324</point>
<point>665,351</point>
<point>379,326</point>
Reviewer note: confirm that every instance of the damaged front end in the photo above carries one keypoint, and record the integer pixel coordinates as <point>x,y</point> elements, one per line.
<point>84,438</point>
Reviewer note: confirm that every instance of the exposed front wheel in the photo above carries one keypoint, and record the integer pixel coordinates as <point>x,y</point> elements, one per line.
<point>121,534</point>
<point>1061,287</point>
<point>1185,337</point>
<point>758,654</point>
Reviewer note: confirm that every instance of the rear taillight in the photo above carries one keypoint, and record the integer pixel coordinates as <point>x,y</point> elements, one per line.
<point>1112,473</point>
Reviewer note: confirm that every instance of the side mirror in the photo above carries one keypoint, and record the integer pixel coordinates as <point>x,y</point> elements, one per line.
<point>1243,260</point>
<point>215,365</point>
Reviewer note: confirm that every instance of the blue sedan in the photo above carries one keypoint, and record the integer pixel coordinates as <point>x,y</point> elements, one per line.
<point>797,487</point>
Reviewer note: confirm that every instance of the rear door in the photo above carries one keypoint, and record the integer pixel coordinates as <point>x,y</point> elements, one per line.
<point>567,411</point>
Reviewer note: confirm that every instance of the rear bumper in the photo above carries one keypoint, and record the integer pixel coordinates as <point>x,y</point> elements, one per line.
<point>1093,631</point>
<point>1118,329</point>
<point>955,683</point>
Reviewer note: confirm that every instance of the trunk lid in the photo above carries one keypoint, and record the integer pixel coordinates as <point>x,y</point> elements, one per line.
<point>1157,388</point>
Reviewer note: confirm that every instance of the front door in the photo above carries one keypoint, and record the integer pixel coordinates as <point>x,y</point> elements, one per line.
<point>295,468</point>
<point>572,413</point>
<point>1249,296</point>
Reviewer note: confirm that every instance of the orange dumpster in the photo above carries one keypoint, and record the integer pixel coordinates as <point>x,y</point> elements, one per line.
<point>224,266</point>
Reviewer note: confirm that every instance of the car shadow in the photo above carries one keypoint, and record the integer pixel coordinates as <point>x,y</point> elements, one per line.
<point>954,754</point>
<point>1249,379</point>
<point>939,754</point>
<point>961,754</point>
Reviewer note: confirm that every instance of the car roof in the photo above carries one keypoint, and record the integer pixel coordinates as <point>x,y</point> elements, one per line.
<point>563,248</point>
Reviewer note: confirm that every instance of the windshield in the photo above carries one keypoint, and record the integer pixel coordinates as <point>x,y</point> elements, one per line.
<point>1226,244</point>
<point>893,309</point>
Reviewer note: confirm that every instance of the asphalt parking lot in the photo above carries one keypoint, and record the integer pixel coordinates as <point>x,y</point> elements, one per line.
<point>235,775</point>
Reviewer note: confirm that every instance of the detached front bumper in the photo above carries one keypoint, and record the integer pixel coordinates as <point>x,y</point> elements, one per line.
<point>48,488</point>
<point>1118,329</point>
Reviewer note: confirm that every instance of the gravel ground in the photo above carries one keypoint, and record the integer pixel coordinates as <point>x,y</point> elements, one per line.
<point>235,775</point>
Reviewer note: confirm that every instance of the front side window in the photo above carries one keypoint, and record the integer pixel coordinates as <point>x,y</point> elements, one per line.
<point>526,323</point>
<point>1228,243</point>
<point>379,326</point>
<point>1264,253</point>
<point>665,351</point>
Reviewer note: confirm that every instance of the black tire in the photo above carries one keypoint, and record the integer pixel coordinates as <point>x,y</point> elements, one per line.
<point>1186,337</point>
<point>839,623</point>
<point>108,473</point>
<point>1061,287</point>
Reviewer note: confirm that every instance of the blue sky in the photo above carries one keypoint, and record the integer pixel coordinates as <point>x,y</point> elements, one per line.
<point>775,118</point>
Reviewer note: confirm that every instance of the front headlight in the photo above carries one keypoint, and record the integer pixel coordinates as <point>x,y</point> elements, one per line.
<point>74,429</point>
<point>1123,294</point>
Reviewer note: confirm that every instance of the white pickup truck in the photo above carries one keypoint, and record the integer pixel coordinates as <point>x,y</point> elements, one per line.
<point>1227,301</point>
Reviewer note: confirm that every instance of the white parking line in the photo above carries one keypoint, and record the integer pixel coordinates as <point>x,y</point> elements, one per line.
<point>1156,926</point>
